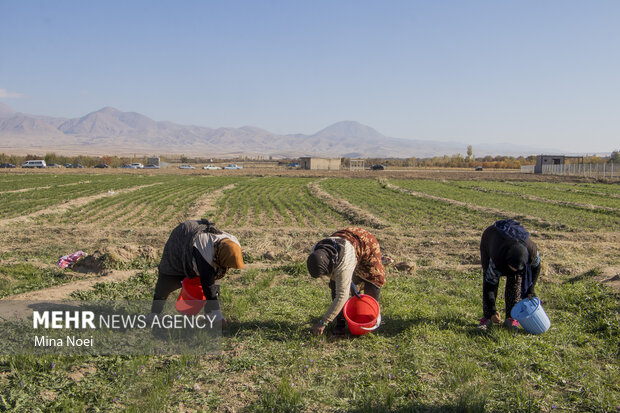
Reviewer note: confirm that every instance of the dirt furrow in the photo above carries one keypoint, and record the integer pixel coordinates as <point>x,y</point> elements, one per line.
<point>16,191</point>
<point>472,207</point>
<point>351,212</point>
<point>64,207</point>
<point>205,205</point>
<point>38,188</point>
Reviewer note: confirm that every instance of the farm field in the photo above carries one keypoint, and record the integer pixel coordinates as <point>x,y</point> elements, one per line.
<point>426,356</point>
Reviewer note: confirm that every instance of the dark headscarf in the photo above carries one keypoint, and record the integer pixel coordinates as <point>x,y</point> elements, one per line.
<point>323,258</point>
<point>515,251</point>
<point>517,256</point>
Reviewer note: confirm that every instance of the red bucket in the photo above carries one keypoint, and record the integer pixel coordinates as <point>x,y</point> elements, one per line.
<point>192,298</point>
<point>363,314</point>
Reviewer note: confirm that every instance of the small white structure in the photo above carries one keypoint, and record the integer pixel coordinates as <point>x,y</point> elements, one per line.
<point>544,160</point>
<point>357,164</point>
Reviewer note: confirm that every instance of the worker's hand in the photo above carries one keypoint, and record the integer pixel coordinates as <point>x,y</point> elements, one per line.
<point>220,272</point>
<point>496,318</point>
<point>318,329</point>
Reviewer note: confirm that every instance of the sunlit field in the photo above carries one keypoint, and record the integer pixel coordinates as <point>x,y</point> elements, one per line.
<point>427,355</point>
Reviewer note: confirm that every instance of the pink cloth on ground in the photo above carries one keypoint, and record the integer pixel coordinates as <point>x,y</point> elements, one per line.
<point>69,260</point>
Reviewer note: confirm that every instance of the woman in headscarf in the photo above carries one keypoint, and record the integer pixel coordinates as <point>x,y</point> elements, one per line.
<point>507,250</point>
<point>351,255</point>
<point>195,249</point>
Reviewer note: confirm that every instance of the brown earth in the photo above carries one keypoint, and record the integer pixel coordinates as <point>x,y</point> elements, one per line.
<point>205,206</point>
<point>390,173</point>
<point>111,256</point>
<point>611,277</point>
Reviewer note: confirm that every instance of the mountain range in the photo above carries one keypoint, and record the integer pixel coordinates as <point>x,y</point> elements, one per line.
<point>111,131</point>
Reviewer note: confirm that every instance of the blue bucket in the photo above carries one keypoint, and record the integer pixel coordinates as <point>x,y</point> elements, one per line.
<point>530,314</point>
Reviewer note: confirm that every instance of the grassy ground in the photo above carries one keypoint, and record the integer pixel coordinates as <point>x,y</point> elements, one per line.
<point>427,355</point>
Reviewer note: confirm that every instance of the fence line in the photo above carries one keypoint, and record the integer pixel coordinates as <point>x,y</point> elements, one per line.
<point>592,170</point>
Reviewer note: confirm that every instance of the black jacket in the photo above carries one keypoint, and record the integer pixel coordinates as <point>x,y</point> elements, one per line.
<point>179,256</point>
<point>493,247</point>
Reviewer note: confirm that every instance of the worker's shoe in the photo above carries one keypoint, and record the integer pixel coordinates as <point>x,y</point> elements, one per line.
<point>511,324</point>
<point>150,319</point>
<point>485,324</point>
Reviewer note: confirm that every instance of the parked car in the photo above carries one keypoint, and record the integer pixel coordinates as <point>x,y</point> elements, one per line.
<point>186,166</point>
<point>378,167</point>
<point>478,168</point>
<point>102,165</point>
<point>54,165</point>
<point>233,166</point>
<point>137,165</point>
<point>78,165</point>
<point>34,164</point>
<point>68,165</point>
<point>211,167</point>
<point>131,166</point>
<point>7,165</point>
<point>292,165</point>
<point>151,166</point>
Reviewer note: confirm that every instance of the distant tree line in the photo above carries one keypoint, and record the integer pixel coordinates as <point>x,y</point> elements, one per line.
<point>487,162</point>
<point>445,161</point>
<point>86,161</point>
<point>111,160</point>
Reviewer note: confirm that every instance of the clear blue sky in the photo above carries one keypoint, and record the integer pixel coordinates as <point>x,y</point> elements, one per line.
<point>537,73</point>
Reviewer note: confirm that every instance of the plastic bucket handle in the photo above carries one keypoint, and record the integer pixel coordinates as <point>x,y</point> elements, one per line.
<point>376,325</point>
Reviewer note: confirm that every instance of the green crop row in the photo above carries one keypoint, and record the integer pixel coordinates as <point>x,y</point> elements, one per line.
<point>580,187</point>
<point>22,277</point>
<point>403,209</point>
<point>22,203</point>
<point>561,215</point>
<point>12,182</point>
<point>274,201</point>
<point>166,201</point>
<point>547,191</point>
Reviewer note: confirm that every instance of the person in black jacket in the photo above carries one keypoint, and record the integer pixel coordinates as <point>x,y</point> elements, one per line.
<point>195,249</point>
<point>507,250</point>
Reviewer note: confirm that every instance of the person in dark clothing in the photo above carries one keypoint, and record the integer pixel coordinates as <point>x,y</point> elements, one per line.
<point>195,249</point>
<point>507,250</point>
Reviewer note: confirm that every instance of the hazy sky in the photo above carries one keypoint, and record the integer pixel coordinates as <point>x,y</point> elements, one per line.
<point>537,73</point>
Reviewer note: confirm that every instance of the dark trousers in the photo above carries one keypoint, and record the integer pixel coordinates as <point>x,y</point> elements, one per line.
<point>166,284</point>
<point>369,288</point>
<point>512,294</point>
